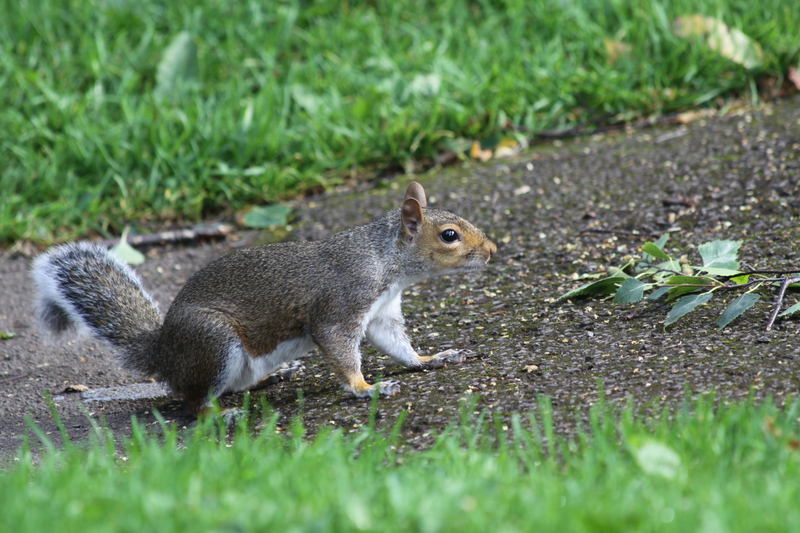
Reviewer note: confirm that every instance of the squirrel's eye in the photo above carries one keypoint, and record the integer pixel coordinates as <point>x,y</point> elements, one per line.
<point>449,235</point>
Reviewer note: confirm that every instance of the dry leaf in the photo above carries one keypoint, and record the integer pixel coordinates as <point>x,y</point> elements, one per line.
<point>616,49</point>
<point>794,77</point>
<point>475,152</point>
<point>718,36</point>
<point>688,117</point>
<point>507,148</point>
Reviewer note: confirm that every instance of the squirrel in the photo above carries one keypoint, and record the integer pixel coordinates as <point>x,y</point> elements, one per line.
<point>241,317</point>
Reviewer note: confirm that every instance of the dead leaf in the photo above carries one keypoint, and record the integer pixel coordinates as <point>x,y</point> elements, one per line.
<point>475,152</point>
<point>688,117</point>
<point>615,50</point>
<point>794,77</point>
<point>718,36</point>
<point>76,388</point>
<point>502,152</point>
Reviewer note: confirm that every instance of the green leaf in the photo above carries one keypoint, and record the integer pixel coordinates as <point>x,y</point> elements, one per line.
<point>425,85</point>
<point>5,335</point>
<point>305,98</point>
<point>685,305</point>
<point>789,286</point>
<point>601,286</point>
<point>125,252</point>
<point>728,42</point>
<point>793,309</point>
<point>617,272</point>
<point>268,216</point>
<point>690,280</point>
<point>720,254</point>
<point>658,293</point>
<point>657,459</point>
<point>677,292</point>
<point>630,291</point>
<point>662,241</point>
<point>178,67</point>
<point>741,280</point>
<point>736,308</point>
<point>652,249</point>
<point>714,271</point>
<point>666,266</point>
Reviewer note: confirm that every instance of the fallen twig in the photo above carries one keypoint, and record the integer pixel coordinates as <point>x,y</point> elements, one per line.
<point>633,233</point>
<point>6,380</point>
<point>213,232</point>
<point>779,300</point>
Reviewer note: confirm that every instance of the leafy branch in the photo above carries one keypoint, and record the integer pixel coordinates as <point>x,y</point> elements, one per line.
<point>689,286</point>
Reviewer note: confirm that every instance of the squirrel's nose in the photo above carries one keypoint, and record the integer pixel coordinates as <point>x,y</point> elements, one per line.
<point>491,248</point>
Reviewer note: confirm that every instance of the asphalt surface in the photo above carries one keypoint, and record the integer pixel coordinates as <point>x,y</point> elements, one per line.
<point>560,210</point>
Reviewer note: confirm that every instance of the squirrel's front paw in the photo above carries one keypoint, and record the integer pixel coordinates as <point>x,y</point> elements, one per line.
<point>448,356</point>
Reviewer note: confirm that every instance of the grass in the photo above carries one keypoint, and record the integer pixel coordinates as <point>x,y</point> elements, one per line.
<point>293,95</point>
<point>730,468</point>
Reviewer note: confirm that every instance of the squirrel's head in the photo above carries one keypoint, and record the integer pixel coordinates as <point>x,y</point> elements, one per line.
<point>441,238</point>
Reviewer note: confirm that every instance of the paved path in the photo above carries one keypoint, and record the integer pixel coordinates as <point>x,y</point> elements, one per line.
<point>737,177</point>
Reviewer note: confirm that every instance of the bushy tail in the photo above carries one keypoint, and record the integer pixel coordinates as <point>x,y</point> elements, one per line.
<point>84,287</point>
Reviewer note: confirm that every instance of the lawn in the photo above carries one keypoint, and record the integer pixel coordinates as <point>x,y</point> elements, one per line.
<point>730,468</point>
<point>115,112</point>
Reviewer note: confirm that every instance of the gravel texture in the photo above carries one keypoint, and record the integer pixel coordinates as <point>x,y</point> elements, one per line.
<point>560,210</point>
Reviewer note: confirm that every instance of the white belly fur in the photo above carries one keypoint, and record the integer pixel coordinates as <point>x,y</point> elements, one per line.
<point>243,370</point>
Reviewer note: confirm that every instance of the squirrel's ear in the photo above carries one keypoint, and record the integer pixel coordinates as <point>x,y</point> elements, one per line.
<point>411,214</point>
<point>416,192</point>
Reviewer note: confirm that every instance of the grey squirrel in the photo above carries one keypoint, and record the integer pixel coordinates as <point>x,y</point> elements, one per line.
<point>245,314</point>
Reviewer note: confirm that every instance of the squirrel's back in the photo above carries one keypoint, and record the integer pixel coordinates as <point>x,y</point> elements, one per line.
<point>358,263</point>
